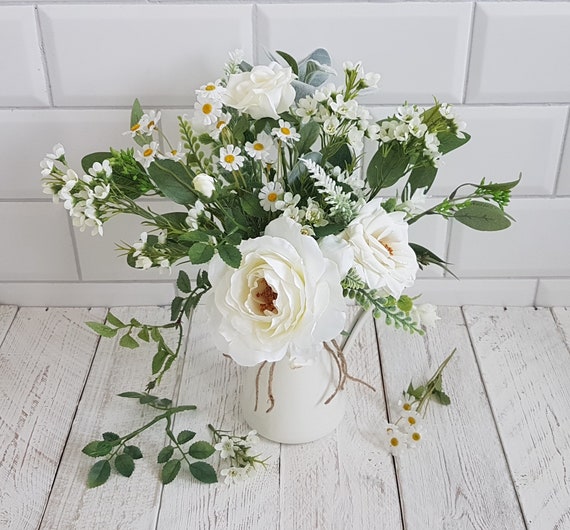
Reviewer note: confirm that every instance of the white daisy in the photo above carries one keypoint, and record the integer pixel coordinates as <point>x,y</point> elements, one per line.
<point>175,154</point>
<point>406,404</point>
<point>149,122</point>
<point>415,437</point>
<point>269,195</point>
<point>285,132</point>
<point>138,127</point>
<point>213,91</point>
<point>263,148</point>
<point>207,111</point>
<point>411,419</point>
<point>147,155</point>
<point>230,157</point>
<point>394,439</point>
<point>223,120</point>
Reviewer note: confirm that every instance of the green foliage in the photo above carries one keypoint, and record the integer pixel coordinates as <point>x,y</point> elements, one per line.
<point>98,474</point>
<point>230,254</point>
<point>482,216</point>
<point>200,253</point>
<point>203,472</point>
<point>387,166</point>
<point>174,180</point>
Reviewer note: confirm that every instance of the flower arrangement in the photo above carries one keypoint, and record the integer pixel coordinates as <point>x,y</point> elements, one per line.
<point>274,195</point>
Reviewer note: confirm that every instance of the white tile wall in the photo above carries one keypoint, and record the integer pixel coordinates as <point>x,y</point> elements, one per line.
<point>537,244</point>
<point>100,55</point>
<point>107,55</point>
<point>21,70</point>
<point>420,49</point>
<point>36,242</point>
<point>506,141</point>
<point>27,135</point>
<point>520,52</point>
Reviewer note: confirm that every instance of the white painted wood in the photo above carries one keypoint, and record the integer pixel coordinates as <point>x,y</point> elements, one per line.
<point>44,360</point>
<point>562,318</point>
<point>7,314</point>
<point>526,368</point>
<point>211,382</point>
<point>457,479</point>
<point>125,503</point>
<point>345,480</point>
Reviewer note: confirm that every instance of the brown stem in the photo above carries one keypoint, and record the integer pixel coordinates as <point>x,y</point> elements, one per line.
<point>270,388</point>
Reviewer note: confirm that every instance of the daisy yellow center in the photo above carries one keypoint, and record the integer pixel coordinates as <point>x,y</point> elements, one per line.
<point>220,124</point>
<point>394,442</point>
<point>147,152</point>
<point>416,437</point>
<point>407,406</point>
<point>286,131</point>
<point>136,127</point>
<point>265,296</point>
<point>258,147</point>
<point>229,159</point>
<point>174,152</point>
<point>272,197</point>
<point>207,108</point>
<point>210,88</point>
<point>150,124</point>
<point>412,420</point>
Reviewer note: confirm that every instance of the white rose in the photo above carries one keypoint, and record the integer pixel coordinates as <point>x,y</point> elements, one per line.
<point>204,184</point>
<point>264,92</point>
<point>382,256</point>
<point>284,299</point>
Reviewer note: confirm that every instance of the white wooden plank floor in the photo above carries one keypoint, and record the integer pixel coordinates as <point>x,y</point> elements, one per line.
<point>497,458</point>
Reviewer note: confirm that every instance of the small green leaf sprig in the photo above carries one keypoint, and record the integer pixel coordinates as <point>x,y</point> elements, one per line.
<point>407,431</point>
<point>117,449</point>
<point>396,312</point>
<point>239,452</point>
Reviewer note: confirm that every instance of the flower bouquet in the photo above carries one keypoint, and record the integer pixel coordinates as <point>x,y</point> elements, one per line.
<point>276,201</point>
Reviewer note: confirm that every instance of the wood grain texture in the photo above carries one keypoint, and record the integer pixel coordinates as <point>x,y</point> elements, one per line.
<point>7,315</point>
<point>562,318</point>
<point>345,480</point>
<point>125,503</point>
<point>526,367</point>
<point>458,478</point>
<point>44,360</point>
<point>211,382</point>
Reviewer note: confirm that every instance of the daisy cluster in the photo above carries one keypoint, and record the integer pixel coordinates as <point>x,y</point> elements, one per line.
<point>238,452</point>
<point>84,197</point>
<point>406,432</point>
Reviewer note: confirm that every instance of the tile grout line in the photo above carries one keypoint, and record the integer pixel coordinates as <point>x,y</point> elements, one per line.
<point>471,342</point>
<point>43,55</point>
<point>469,53</point>
<point>565,136</point>
<point>254,33</point>
<point>75,249</point>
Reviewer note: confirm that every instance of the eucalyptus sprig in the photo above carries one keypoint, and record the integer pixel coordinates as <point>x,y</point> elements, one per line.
<point>117,450</point>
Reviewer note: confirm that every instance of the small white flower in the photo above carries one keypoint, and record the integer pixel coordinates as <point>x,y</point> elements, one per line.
<point>331,125</point>
<point>103,168</point>
<point>323,93</point>
<point>263,148</point>
<point>46,166</point>
<point>233,475</point>
<point>285,132</point>
<point>230,157</point>
<point>176,154</point>
<point>415,437</point>
<point>204,184</point>
<point>371,80</point>
<point>138,128</point>
<point>139,246</point>
<point>223,120</point>
<point>289,206</point>
<point>314,214</point>
<point>416,203</point>
<point>149,122</point>
<point>406,404</point>
<point>147,155</point>
<point>425,314</point>
<point>394,439</point>
<point>346,109</point>
<point>252,439</point>
<point>411,420</point>
<point>193,214</point>
<point>416,127</point>
<point>402,132</point>
<point>162,235</point>
<point>100,191</point>
<point>269,195</point>
<point>57,153</point>
<point>213,91</point>
<point>207,111</point>
<point>373,131</point>
<point>143,262</point>
<point>226,447</point>
<point>355,139</point>
<point>307,108</point>
<point>387,128</point>
<point>407,112</point>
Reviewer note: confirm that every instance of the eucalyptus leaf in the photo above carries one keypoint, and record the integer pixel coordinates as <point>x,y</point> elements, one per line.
<point>136,395</point>
<point>501,186</point>
<point>203,472</point>
<point>125,464</point>
<point>482,216</point>
<point>290,61</point>
<point>442,397</point>
<point>98,474</point>
<point>309,133</point>
<point>195,235</point>
<point>421,177</point>
<point>170,471</point>
<point>449,141</point>
<point>173,180</point>
<point>385,171</point>
<point>137,112</point>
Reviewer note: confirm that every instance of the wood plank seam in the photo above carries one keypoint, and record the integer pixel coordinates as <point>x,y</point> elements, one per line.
<point>565,339</point>
<point>484,384</point>
<point>9,325</point>
<point>70,428</point>
<point>396,473</point>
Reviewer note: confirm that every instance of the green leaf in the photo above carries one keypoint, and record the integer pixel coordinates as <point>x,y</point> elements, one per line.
<point>163,403</point>
<point>143,335</point>
<point>112,319</point>
<point>98,474</point>
<point>200,253</point>
<point>155,334</point>
<point>201,450</point>
<point>165,454</point>
<point>195,235</point>
<point>202,281</point>
<point>128,342</point>
<point>185,436</point>
<point>147,398</point>
<point>501,186</point>
<point>240,126</point>
<point>442,397</point>
<point>448,141</point>
<point>137,395</point>
<point>342,157</point>
<point>203,472</point>
<point>176,307</point>
<point>136,112</point>
<point>170,471</point>
<point>158,360</point>
<point>385,171</point>
<point>102,329</point>
<point>135,322</point>
<point>290,61</point>
<point>427,257</point>
<point>405,303</point>
<point>322,231</point>
<point>110,437</point>
<point>482,216</point>
<point>98,448</point>
<point>173,179</point>
<point>421,177</point>
<point>230,254</point>
<point>133,451</point>
<point>251,205</point>
<point>183,282</point>
<point>309,134</point>
<point>125,464</point>
<point>88,160</point>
